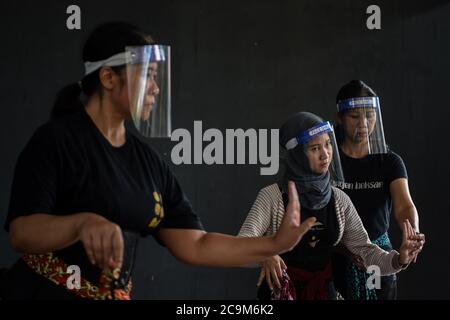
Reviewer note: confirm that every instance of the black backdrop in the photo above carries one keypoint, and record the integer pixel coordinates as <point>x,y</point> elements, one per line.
<point>250,64</point>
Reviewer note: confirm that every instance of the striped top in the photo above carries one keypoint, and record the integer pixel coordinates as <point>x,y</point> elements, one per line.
<point>267,212</point>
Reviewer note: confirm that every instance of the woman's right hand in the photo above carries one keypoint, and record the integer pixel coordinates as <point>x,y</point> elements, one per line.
<point>102,240</point>
<point>272,270</point>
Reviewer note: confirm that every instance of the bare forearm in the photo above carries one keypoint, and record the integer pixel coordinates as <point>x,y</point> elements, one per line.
<point>215,249</point>
<point>409,213</point>
<point>42,233</point>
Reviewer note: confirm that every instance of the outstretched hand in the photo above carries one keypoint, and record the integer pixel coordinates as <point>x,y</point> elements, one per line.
<point>291,229</point>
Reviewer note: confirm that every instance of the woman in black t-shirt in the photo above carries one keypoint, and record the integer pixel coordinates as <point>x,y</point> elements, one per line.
<point>85,188</point>
<point>375,180</point>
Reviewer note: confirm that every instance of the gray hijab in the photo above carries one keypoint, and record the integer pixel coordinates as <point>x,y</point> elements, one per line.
<point>314,189</point>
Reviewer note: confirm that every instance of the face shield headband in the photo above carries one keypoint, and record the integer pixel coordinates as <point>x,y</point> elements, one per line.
<point>360,102</point>
<point>154,53</point>
<point>306,136</point>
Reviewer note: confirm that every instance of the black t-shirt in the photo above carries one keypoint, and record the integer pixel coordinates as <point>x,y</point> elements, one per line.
<point>314,250</point>
<point>367,182</point>
<point>68,167</point>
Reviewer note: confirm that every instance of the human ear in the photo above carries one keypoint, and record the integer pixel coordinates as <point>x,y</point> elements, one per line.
<point>107,78</point>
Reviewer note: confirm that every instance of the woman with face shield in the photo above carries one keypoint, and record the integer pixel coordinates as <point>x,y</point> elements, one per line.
<point>375,180</point>
<point>86,186</point>
<point>305,272</point>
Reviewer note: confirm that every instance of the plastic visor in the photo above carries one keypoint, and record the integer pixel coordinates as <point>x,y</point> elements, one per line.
<point>364,124</point>
<point>148,80</point>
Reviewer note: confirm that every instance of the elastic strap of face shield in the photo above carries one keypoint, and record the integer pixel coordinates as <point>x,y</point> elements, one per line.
<point>132,55</point>
<point>113,61</point>
<point>306,136</point>
<point>360,102</point>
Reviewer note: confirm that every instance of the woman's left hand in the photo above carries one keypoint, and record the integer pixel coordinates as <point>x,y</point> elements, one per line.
<point>412,244</point>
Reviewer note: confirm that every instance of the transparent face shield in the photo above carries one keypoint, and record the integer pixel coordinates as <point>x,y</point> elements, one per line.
<point>321,150</point>
<point>148,81</point>
<point>361,122</point>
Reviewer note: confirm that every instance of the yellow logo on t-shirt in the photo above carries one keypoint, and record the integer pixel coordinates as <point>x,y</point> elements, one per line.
<point>159,211</point>
<point>314,239</point>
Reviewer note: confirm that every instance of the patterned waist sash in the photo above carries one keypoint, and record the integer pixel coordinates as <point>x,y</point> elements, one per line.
<point>357,278</point>
<point>55,270</point>
<point>315,284</point>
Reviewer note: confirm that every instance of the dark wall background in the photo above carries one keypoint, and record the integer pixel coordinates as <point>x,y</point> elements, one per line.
<point>250,64</point>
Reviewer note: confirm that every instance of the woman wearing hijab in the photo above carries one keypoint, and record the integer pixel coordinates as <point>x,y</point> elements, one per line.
<point>305,272</point>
